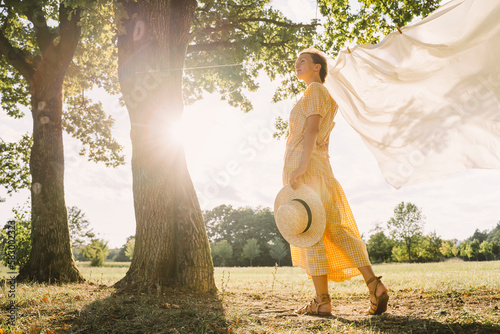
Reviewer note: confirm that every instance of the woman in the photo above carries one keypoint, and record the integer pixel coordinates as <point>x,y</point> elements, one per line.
<point>340,254</point>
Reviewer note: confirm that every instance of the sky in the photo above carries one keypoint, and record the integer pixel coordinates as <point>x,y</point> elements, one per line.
<point>233,160</point>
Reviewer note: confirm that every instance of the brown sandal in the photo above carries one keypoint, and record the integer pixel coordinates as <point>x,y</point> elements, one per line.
<point>380,304</point>
<point>312,308</point>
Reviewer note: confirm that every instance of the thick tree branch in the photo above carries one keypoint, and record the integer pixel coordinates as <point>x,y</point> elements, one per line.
<point>69,31</point>
<point>43,34</point>
<point>16,58</point>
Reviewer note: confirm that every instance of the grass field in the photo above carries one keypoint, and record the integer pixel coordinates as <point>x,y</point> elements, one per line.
<point>447,297</point>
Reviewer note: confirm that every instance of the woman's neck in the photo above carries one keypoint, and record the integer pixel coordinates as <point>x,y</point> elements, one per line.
<point>313,80</point>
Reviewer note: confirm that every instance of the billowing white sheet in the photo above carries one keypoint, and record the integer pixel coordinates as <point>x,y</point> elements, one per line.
<point>427,102</point>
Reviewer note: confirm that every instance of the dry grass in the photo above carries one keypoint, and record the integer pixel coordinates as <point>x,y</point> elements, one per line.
<point>448,297</point>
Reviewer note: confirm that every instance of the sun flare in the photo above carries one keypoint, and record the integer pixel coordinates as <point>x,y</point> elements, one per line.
<point>178,132</point>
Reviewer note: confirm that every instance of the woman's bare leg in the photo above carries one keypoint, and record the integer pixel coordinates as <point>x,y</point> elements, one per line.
<point>368,273</point>
<point>321,287</point>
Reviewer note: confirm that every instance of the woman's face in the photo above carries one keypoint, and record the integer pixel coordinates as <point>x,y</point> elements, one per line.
<point>305,67</point>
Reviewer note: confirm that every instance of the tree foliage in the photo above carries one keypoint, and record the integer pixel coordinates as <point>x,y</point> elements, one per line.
<point>251,250</point>
<point>19,229</point>
<point>96,252</point>
<point>121,256</point>
<point>448,248</point>
<point>407,225</point>
<point>223,251</point>
<point>399,253</point>
<point>486,248</point>
<point>14,164</point>
<point>278,250</point>
<point>237,226</point>
<point>367,21</point>
<point>429,248</point>
<point>250,33</point>
<point>478,235</point>
<point>471,249</point>
<point>80,231</point>
<point>494,235</point>
<point>380,247</point>
<point>30,28</point>
<point>129,248</point>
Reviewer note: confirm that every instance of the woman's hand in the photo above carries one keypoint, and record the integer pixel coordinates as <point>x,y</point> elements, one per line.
<point>292,180</point>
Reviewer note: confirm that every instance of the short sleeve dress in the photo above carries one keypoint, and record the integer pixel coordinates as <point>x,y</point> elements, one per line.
<point>341,251</point>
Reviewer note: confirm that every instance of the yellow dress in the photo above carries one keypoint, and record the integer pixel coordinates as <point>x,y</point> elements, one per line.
<point>341,251</point>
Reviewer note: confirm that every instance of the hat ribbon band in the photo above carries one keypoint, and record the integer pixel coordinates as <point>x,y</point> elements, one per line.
<point>309,213</point>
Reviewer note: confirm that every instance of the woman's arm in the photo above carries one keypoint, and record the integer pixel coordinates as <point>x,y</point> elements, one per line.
<point>310,136</point>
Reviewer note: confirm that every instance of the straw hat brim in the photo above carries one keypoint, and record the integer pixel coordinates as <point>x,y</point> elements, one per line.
<point>318,224</point>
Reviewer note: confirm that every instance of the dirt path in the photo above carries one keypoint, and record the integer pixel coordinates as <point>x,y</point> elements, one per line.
<point>409,312</point>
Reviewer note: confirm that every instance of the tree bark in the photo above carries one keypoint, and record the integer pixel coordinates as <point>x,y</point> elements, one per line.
<point>50,259</point>
<point>171,245</point>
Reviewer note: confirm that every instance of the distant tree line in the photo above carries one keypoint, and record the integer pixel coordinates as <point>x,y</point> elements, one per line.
<point>481,246</point>
<point>249,237</point>
<point>84,244</point>
<point>245,236</point>
<point>403,241</point>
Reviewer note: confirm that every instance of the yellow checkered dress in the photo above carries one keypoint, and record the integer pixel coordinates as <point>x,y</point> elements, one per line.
<point>341,251</point>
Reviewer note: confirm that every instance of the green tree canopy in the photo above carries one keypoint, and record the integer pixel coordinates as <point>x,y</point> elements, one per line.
<point>428,248</point>
<point>494,235</point>
<point>129,248</point>
<point>251,250</point>
<point>222,250</point>
<point>250,33</point>
<point>121,256</point>
<point>367,21</point>
<point>379,247</point>
<point>472,249</point>
<point>15,255</point>
<point>238,225</point>
<point>14,164</point>
<point>30,28</point>
<point>278,250</point>
<point>96,252</point>
<point>479,235</point>
<point>448,248</point>
<point>486,248</point>
<point>407,225</point>
<point>80,231</point>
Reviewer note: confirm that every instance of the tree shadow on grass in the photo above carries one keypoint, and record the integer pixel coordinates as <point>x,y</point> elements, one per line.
<point>172,311</point>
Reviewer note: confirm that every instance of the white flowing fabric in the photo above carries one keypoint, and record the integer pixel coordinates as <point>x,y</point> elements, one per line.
<point>427,101</point>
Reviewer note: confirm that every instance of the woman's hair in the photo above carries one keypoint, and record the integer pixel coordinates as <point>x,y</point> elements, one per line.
<point>318,58</point>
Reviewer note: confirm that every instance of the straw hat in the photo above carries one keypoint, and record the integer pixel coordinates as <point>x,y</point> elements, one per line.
<point>300,215</point>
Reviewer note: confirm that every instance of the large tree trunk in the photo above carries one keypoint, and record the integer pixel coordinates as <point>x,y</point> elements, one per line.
<point>50,259</point>
<point>171,245</point>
